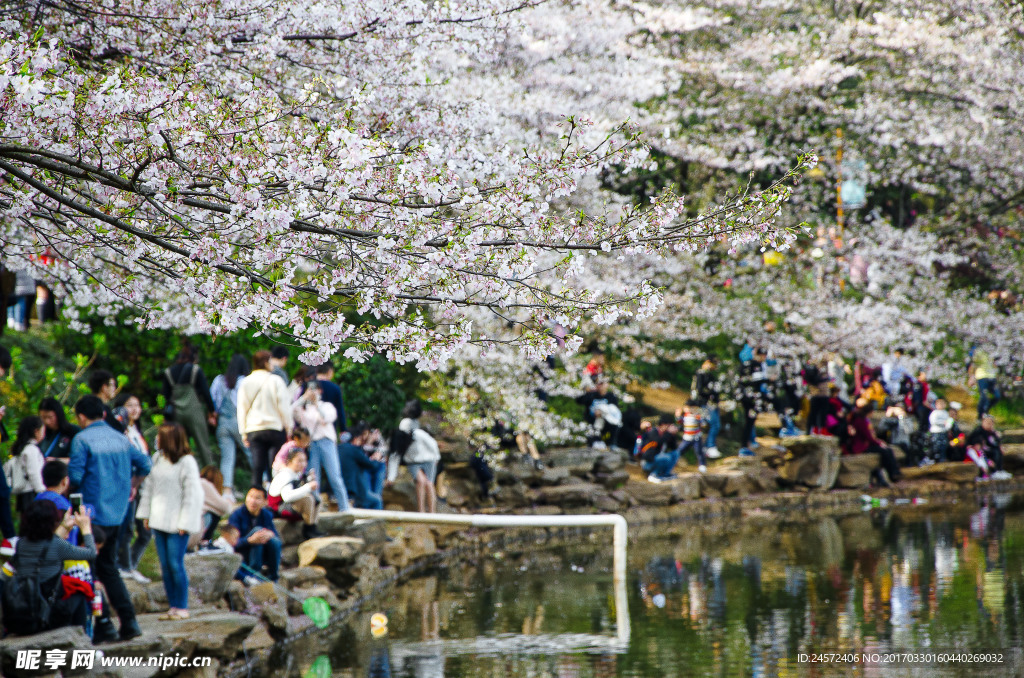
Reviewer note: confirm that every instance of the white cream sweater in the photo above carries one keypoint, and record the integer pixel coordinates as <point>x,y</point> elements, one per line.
<point>172,497</point>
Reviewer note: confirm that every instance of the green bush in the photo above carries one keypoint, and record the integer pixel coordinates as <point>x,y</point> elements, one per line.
<point>371,392</point>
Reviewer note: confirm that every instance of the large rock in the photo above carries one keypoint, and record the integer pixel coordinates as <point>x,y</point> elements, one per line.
<point>458,491</point>
<point>218,634</point>
<point>511,496</point>
<point>609,461</point>
<point>650,494</point>
<point>613,480</point>
<point>685,486</point>
<point>299,596</point>
<point>290,531</point>
<point>335,522</point>
<point>1013,457</point>
<point>855,470</point>
<point>950,471</point>
<point>209,575</point>
<point>395,554</point>
<point>401,494</point>
<point>733,482</point>
<point>419,542</point>
<point>302,576</point>
<point>553,476</point>
<point>66,639</point>
<point>329,552</point>
<point>578,494</point>
<point>811,461</point>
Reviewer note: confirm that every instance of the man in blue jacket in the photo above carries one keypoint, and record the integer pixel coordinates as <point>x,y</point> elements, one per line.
<point>102,465</point>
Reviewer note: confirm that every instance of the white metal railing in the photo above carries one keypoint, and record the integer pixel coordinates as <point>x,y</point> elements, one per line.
<point>613,520</point>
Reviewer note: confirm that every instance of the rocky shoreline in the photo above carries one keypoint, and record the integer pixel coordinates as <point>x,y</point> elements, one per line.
<point>237,625</point>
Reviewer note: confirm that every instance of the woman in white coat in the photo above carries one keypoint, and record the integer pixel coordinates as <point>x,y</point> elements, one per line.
<point>172,507</point>
<point>421,457</point>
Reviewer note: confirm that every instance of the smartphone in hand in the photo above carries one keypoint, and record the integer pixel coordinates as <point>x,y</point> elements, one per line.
<point>76,502</point>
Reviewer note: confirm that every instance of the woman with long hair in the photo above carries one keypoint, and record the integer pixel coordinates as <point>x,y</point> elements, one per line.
<point>216,504</point>
<point>128,410</point>
<point>171,506</point>
<point>25,467</point>
<point>59,431</point>
<point>224,392</point>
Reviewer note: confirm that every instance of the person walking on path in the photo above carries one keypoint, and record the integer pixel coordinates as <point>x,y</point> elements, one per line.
<point>983,372</point>
<point>264,415</point>
<point>224,392</point>
<point>318,417</point>
<point>186,388</point>
<point>102,465</point>
<point>171,506</point>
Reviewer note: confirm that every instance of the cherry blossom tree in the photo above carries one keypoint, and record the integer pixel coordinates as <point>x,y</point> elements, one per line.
<point>331,173</point>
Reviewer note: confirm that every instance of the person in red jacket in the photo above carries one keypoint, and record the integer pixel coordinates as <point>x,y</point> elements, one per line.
<point>861,439</point>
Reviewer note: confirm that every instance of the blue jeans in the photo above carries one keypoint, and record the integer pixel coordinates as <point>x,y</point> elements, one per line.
<point>663,464</point>
<point>258,555</point>
<point>170,549</point>
<point>17,312</point>
<point>323,455</point>
<point>986,387</point>
<point>375,478</point>
<point>229,440</point>
<point>714,424</point>
<point>698,450</point>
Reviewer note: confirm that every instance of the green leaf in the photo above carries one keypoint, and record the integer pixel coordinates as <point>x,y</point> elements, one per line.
<point>321,666</point>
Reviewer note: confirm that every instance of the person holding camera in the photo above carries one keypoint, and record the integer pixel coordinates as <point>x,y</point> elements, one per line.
<point>293,494</point>
<point>318,417</point>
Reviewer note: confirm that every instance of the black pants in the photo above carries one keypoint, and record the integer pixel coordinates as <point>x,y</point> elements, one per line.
<point>106,572</point>
<point>6,521</point>
<point>887,460</point>
<point>72,611</point>
<point>817,418</point>
<point>264,446</point>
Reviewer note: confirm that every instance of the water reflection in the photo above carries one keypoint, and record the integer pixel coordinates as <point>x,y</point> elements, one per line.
<point>733,597</point>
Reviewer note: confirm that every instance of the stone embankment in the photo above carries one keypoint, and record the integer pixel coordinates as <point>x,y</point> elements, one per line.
<point>230,621</point>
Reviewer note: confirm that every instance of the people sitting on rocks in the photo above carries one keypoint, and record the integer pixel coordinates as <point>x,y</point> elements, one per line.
<point>251,532</point>
<point>984,449</point>
<point>363,474</point>
<point>216,505</point>
<point>660,451</point>
<point>420,457</point>
<point>706,391</point>
<point>511,439</point>
<point>299,439</point>
<point>939,426</point>
<point>38,564</point>
<point>861,440</point>
<point>901,429</point>
<point>171,505</point>
<point>293,493</point>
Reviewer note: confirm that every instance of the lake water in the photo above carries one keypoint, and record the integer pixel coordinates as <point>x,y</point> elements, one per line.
<point>741,597</point>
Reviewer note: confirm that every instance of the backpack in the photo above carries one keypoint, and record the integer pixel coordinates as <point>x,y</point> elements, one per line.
<point>400,443</point>
<point>183,396</point>
<point>27,607</point>
<point>17,475</point>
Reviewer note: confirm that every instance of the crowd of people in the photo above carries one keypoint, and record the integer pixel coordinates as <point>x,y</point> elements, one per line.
<point>924,427</point>
<point>92,495</point>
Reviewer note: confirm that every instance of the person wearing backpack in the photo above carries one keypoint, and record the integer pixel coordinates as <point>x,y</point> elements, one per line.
<point>188,392</point>
<point>37,598</point>
<point>24,470</point>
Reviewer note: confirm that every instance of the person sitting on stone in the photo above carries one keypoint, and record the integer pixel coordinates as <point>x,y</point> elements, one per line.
<point>293,496</point>
<point>984,449</point>
<point>901,429</point>
<point>251,532</point>
<point>359,470</point>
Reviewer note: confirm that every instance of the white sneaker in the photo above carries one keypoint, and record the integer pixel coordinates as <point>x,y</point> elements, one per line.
<point>222,543</point>
<point>251,581</point>
<point>139,577</point>
<point>713,453</point>
<point>599,445</point>
<point>1002,475</point>
<point>702,468</point>
<point>653,479</point>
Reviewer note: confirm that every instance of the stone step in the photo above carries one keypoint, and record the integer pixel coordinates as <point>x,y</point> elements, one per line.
<point>1013,436</point>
